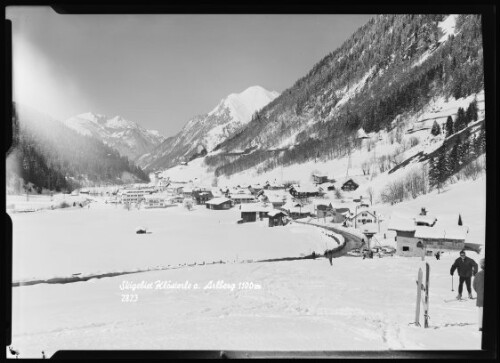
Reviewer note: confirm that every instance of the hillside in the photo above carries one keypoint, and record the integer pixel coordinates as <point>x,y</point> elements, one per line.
<point>45,154</point>
<point>126,136</point>
<point>203,133</point>
<point>379,80</point>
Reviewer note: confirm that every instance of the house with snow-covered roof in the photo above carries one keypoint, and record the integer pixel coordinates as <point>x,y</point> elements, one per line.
<point>250,212</point>
<point>201,196</point>
<point>319,179</point>
<point>414,240</point>
<point>350,185</point>
<point>220,203</point>
<point>305,191</point>
<point>242,198</point>
<point>363,217</point>
<point>277,218</point>
<point>174,188</point>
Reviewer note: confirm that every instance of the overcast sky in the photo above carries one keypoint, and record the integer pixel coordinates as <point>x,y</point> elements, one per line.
<point>161,70</point>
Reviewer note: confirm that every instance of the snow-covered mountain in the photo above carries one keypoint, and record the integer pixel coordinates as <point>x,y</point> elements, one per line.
<point>203,133</point>
<point>126,136</point>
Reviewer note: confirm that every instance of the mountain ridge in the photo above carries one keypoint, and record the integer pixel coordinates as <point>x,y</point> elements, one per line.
<point>202,133</point>
<point>128,137</point>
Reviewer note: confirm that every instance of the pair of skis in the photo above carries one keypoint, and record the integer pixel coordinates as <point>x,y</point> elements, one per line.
<point>423,299</point>
<point>461,299</point>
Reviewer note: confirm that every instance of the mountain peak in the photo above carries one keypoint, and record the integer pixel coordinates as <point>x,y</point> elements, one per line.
<point>129,138</point>
<point>90,116</point>
<point>120,122</point>
<point>244,104</point>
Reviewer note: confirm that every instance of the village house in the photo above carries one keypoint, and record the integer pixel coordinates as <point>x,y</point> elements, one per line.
<point>319,179</point>
<point>273,186</point>
<point>305,192</point>
<point>162,183</point>
<point>133,195</point>
<point>296,210</point>
<point>187,191</point>
<point>176,199</point>
<point>155,201</point>
<point>330,187</point>
<point>363,217</point>
<point>174,188</point>
<point>255,189</point>
<point>350,185</point>
<point>339,215</point>
<point>425,220</point>
<point>322,209</point>
<point>201,196</point>
<point>243,198</point>
<point>276,200</point>
<point>277,218</point>
<point>219,203</point>
<point>250,212</point>
<point>414,240</point>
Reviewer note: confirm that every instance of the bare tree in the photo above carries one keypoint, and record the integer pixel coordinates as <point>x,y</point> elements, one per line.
<point>365,167</point>
<point>371,193</point>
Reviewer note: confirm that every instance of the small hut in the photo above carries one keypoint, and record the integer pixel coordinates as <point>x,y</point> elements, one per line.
<point>277,218</point>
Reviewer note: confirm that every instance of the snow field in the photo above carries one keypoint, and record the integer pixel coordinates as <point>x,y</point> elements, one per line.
<point>59,243</point>
<point>355,304</point>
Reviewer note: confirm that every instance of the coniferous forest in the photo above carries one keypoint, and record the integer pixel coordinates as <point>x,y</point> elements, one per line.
<point>45,154</point>
<point>395,64</point>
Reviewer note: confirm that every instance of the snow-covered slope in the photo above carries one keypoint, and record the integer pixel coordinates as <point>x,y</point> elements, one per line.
<point>126,136</point>
<point>205,132</point>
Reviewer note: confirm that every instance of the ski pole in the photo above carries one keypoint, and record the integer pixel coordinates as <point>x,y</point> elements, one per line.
<point>452,283</point>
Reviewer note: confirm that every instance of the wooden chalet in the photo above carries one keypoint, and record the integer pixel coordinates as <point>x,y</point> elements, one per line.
<point>219,203</point>
<point>350,185</point>
<point>305,192</point>
<point>277,218</point>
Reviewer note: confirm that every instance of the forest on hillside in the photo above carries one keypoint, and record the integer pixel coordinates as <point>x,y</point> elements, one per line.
<point>45,154</point>
<point>403,63</point>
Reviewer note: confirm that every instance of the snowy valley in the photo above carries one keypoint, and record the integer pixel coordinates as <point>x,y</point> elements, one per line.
<point>287,221</point>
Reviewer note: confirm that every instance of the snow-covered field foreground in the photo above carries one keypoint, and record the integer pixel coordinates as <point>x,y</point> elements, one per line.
<point>355,304</point>
<point>102,239</point>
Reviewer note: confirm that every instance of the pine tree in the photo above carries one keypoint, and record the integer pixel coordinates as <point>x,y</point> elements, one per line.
<point>460,122</point>
<point>436,130</point>
<point>443,165</point>
<point>472,112</point>
<point>449,126</point>
<point>464,152</point>
<point>460,220</point>
<point>434,173</point>
<point>453,160</point>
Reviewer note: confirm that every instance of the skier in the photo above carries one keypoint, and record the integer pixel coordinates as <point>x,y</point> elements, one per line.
<point>466,268</point>
<point>478,285</point>
<point>438,255</point>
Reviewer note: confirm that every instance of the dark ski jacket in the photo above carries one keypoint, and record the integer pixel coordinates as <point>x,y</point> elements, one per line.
<point>466,268</point>
<point>478,285</point>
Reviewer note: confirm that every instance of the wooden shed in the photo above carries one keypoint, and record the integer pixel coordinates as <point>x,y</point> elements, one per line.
<point>277,218</point>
